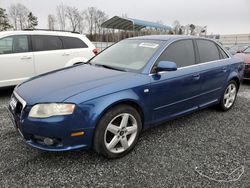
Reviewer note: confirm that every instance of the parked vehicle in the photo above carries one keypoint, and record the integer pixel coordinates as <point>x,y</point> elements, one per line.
<point>24,54</point>
<point>245,56</point>
<point>127,88</point>
<point>237,48</point>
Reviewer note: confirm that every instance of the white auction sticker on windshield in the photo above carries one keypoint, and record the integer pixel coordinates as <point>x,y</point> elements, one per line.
<point>149,45</point>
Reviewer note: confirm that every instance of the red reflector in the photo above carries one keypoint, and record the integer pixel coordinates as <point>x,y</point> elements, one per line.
<point>95,51</point>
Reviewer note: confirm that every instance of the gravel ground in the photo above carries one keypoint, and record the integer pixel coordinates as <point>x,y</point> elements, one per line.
<point>204,149</point>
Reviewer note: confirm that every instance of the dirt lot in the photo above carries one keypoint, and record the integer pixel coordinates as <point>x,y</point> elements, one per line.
<point>204,149</point>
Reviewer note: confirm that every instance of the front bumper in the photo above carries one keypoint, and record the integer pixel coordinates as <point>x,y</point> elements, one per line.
<point>58,129</point>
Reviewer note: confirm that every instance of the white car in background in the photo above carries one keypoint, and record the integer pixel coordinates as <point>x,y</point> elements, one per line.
<point>24,54</point>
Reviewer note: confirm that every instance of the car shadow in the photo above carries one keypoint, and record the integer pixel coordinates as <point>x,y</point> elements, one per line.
<point>6,91</point>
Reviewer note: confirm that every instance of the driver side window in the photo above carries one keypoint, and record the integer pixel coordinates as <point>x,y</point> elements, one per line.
<point>180,52</point>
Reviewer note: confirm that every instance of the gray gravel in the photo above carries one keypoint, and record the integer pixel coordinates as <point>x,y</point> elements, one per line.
<point>205,149</point>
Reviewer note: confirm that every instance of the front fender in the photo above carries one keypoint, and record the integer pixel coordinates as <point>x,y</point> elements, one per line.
<point>94,109</point>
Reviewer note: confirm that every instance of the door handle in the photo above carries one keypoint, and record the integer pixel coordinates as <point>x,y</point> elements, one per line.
<point>196,76</point>
<point>25,57</point>
<point>224,69</point>
<point>65,54</point>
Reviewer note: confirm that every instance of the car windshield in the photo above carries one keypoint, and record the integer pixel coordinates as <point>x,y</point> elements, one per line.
<point>127,55</point>
<point>238,47</point>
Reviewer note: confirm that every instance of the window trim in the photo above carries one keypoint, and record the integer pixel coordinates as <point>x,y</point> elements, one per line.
<point>198,64</point>
<point>166,47</point>
<point>13,36</point>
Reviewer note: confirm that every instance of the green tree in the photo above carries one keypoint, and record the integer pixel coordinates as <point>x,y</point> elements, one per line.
<point>4,21</point>
<point>32,21</point>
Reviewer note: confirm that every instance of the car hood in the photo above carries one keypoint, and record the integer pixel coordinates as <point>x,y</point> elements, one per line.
<point>59,85</point>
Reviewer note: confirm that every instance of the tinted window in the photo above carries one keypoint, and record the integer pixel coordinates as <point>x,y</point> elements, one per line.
<point>181,52</point>
<point>14,44</point>
<point>208,51</point>
<point>72,42</point>
<point>46,42</point>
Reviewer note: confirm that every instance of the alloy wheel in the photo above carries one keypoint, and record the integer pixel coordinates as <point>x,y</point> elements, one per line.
<point>120,133</point>
<point>230,95</point>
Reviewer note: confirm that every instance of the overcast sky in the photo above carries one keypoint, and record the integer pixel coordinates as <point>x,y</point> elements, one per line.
<point>220,16</point>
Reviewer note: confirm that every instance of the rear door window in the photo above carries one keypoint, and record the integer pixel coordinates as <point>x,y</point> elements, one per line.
<point>208,50</point>
<point>180,52</point>
<point>14,44</point>
<point>46,43</point>
<point>73,42</point>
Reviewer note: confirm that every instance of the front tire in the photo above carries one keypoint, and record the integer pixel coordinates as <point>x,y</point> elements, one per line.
<point>229,96</point>
<point>117,132</point>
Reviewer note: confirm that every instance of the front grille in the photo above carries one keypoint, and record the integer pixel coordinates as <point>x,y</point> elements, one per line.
<point>17,104</point>
<point>246,74</point>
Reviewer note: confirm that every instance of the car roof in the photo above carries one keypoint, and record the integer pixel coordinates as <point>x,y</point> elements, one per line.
<point>165,37</point>
<point>38,32</point>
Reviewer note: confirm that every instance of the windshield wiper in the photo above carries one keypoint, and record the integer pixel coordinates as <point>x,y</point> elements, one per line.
<point>110,67</point>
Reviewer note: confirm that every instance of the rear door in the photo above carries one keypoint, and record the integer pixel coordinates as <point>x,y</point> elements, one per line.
<point>175,93</point>
<point>77,48</point>
<point>49,53</point>
<point>214,71</point>
<point>16,60</point>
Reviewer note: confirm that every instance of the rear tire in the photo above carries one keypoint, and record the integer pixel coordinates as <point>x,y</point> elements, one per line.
<point>229,96</point>
<point>117,132</point>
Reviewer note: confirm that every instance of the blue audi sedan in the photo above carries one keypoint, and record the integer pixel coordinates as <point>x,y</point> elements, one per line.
<point>135,84</point>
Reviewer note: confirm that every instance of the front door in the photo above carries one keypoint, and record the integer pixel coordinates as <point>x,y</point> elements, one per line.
<point>16,60</point>
<point>175,93</point>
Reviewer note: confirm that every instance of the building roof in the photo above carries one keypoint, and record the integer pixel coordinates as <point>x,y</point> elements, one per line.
<point>131,24</point>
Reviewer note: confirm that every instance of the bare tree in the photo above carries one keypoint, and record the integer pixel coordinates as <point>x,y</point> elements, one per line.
<point>61,15</point>
<point>74,17</point>
<point>13,13</point>
<point>100,17</point>
<point>90,18</point>
<point>51,22</point>
<point>19,15</point>
<point>176,27</point>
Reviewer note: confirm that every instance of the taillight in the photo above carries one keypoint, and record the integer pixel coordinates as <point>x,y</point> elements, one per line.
<point>95,51</point>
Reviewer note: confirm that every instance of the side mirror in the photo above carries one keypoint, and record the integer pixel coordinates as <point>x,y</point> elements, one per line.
<point>166,66</point>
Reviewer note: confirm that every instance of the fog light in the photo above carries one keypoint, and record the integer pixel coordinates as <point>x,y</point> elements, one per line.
<point>48,141</point>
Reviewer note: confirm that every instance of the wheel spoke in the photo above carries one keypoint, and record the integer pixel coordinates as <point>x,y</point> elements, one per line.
<point>124,143</point>
<point>233,91</point>
<point>227,96</point>
<point>124,121</point>
<point>131,130</point>
<point>113,128</point>
<point>113,143</point>
<point>227,103</point>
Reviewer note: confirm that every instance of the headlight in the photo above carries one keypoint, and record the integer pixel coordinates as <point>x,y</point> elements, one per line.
<point>52,109</point>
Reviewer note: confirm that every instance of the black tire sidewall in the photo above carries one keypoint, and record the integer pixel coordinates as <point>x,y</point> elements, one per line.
<point>99,144</point>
